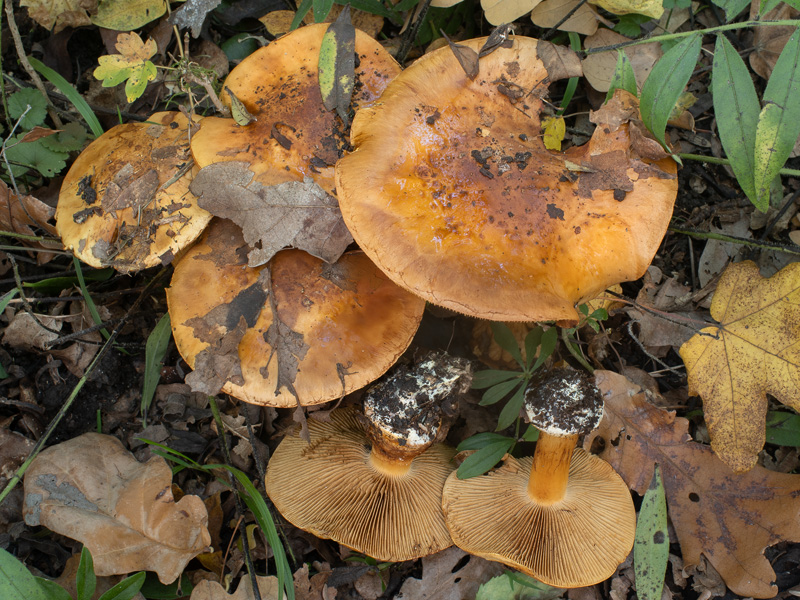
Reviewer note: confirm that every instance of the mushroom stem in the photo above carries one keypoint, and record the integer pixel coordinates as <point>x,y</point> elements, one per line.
<point>389,463</point>
<point>550,471</point>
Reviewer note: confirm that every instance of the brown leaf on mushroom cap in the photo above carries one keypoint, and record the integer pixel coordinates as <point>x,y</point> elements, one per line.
<point>93,490</point>
<point>730,518</point>
<point>576,542</point>
<point>291,214</point>
<point>296,323</point>
<point>330,488</point>
<point>125,202</point>
<point>451,191</point>
<point>294,136</point>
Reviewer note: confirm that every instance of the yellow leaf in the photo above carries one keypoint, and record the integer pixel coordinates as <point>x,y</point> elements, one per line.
<point>130,64</point>
<point>605,300</point>
<point>648,8</point>
<point>754,351</point>
<point>127,15</point>
<point>131,46</point>
<point>554,130</point>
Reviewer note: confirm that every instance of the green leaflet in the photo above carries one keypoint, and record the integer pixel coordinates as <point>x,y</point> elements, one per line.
<point>732,8</point>
<point>779,122</point>
<point>480,461</point>
<point>665,84</point>
<point>337,65</point>
<point>156,349</point>
<point>16,581</point>
<point>736,108</point>
<point>651,545</point>
<point>623,78</point>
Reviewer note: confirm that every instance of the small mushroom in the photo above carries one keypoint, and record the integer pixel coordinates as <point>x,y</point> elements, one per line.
<point>125,202</point>
<point>452,193</point>
<point>563,516</point>
<point>295,330</point>
<point>375,487</point>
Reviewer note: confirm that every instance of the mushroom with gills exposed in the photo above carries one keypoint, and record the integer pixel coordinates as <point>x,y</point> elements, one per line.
<point>563,516</point>
<point>375,484</point>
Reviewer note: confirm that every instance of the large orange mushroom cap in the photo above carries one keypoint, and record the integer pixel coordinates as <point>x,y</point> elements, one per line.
<point>297,325</point>
<point>451,191</point>
<point>125,202</point>
<point>294,136</point>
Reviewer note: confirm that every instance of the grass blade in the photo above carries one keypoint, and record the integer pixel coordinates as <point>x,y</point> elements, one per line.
<point>665,84</point>
<point>71,93</point>
<point>736,107</point>
<point>779,122</point>
<point>155,350</point>
<point>480,461</point>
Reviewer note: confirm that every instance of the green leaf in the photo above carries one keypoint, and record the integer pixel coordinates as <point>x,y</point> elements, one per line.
<point>623,78</point>
<point>630,25</point>
<point>125,589</point>
<point>783,428</point>
<point>52,589</point>
<point>7,297</point>
<point>239,111</point>
<point>481,461</point>
<point>651,545</point>
<point>665,84</point>
<point>506,340</point>
<point>71,93</point>
<point>302,11</point>
<point>19,101</point>
<point>155,350</point>
<point>531,434</point>
<point>732,8</point>
<point>779,122</point>
<point>481,440</point>
<point>16,581</point>
<point>34,155</point>
<point>549,341</point>
<point>138,80</point>
<point>85,579</point>
<point>70,138</point>
<point>516,586</point>
<point>532,342</point>
<point>490,377</point>
<point>127,15</point>
<point>337,65</point>
<point>496,393</point>
<point>239,47</point>
<point>321,10</point>
<point>736,108</point>
<point>511,410</point>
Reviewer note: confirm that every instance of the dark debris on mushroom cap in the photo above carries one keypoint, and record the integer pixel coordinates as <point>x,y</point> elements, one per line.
<point>410,400</point>
<point>564,402</point>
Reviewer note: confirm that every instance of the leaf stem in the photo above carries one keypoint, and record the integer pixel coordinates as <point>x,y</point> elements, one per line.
<point>724,161</point>
<point>579,357</point>
<point>761,245</point>
<point>680,35</point>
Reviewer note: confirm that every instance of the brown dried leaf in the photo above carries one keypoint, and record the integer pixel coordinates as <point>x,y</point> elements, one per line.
<point>60,13</point>
<point>498,12</point>
<point>211,590</point>
<point>467,58</point>
<point>20,214</point>
<point>768,42</point>
<point>599,67</point>
<point>550,12</point>
<point>92,490</point>
<point>559,61</point>
<point>24,332</point>
<point>729,518</point>
<point>441,580</point>
<point>312,588</point>
<point>291,214</point>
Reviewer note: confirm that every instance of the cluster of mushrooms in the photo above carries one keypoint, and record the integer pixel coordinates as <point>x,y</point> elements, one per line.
<point>448,191</point>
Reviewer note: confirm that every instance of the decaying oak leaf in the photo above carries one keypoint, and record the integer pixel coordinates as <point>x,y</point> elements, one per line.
<point>211,590</point>
<point>768,42</point>
<point>58,14</point>
<point>93,490</point>
<point>754,351</point>
<point>291,214</point>
<point>498,12</point>
<point>20,214</point>
<point>550,12</point>
<point>649,8</point>
<point>730,518</point>
<point>446,576</point>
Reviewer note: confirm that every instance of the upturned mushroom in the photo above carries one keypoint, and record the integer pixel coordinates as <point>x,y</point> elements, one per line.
<point>125,202</point>
<point>563,516</point>
<point>375,486</point>
<point>294,330</point>
<point>452,193</point>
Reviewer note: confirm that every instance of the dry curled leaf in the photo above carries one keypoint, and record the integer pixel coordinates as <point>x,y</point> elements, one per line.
<point>445,576</point>
<point>58,14</point>
<point>297,214</point>
<point>754,351</point>
<point>728,517</point>
<point>93,490</point>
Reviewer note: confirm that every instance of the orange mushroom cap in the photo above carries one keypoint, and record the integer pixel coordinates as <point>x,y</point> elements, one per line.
<point>297,325</point>
<point>125,202</point>
<point>451,192</point>
<point>294,136</point>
